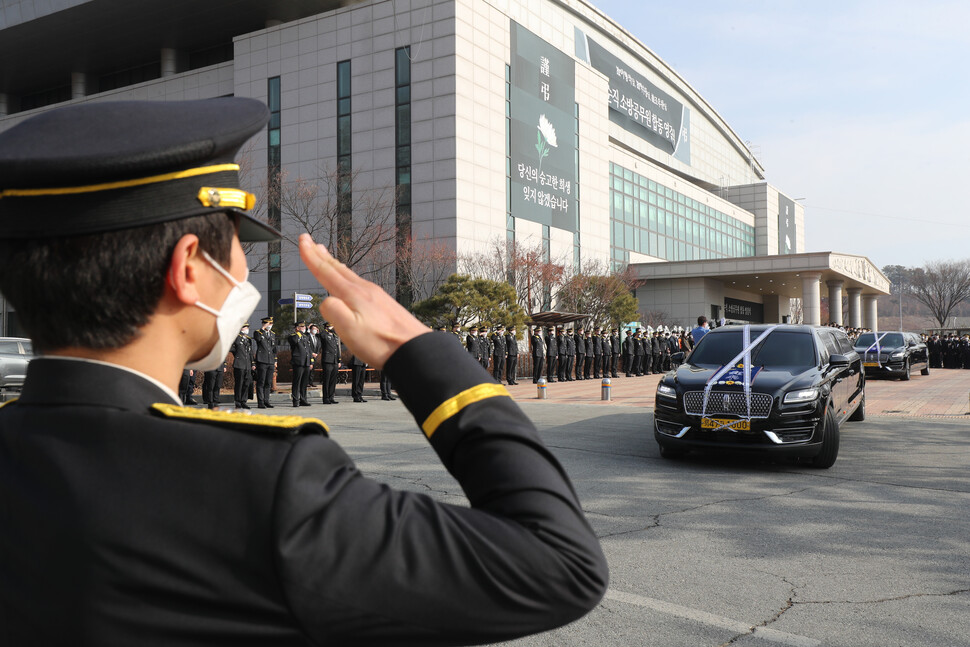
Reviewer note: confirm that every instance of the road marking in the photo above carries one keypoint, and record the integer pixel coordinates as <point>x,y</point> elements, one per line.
<point>764,633</point>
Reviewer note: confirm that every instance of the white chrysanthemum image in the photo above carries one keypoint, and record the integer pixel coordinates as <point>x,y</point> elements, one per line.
<point>548,131</point>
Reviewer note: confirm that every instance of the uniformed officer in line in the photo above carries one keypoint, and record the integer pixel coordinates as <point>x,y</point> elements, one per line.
<point>629,352</point>
<point>485,346</point>
<point>212,382</point>
<point>313,335</point>
<point>265,340</point>
<point>552,355</point>
<point>588,366</point>
<point>538,353</point>
<point>129,519</point>
<point>358,375</point>
<point>456,332</point>
<point>243,361</point>
<point>511,356</point>
<point>563,354</point>
<point>597,353</point>
<point>300,358</point>
<point>580,344</point>
<point>330,361</point>
<point>497,344</point>
<point>570,354</point>
<point>616,348</point>
<point>471,344</point>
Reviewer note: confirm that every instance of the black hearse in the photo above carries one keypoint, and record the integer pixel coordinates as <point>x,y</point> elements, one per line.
<point>783,389</point>
<point>893,354</point>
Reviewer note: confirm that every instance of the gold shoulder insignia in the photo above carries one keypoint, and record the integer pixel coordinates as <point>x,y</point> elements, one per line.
<point>3,404</point>
<point>288,425</point>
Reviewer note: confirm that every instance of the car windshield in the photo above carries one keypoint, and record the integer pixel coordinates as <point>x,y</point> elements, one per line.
<point>28,348</point>
<point>781,349</point>
<point>889,340</point>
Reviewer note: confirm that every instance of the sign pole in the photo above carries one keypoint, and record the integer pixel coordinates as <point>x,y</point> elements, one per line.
<point>294,308</point>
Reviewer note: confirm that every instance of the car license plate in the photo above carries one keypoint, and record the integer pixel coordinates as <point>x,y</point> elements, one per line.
<point>870,363</point>
<point>725,423</point>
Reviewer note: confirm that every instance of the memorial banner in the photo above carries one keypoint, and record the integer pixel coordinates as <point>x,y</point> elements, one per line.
<point>543,132</point>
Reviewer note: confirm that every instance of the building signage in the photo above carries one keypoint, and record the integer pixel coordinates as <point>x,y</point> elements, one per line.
<point>640,107</point>
<point>543,132</point>
<point>786,225</point>
<point>739,310</point>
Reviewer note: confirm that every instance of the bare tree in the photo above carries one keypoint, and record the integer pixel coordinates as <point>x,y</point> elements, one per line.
<point>603,295</point>
<point>356,225</point>
<point>257,254</point>
<point>942,286</point>
<point>526,268</point>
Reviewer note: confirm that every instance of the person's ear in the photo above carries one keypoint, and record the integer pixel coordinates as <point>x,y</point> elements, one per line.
<point>184,269</point>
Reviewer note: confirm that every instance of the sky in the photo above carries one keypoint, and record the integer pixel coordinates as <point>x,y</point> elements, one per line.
<point>860,108</point>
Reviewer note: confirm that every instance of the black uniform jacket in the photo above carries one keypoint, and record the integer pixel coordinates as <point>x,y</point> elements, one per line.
<point>127,523</point>
<point>300,349</point>
<point>265,346</point>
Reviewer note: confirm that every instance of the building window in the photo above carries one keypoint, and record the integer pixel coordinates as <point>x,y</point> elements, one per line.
<point>577,256</point>
<point>649,218</point>
<point>344,163</point>
<point>273,205</point>
<point>509,218</point>
<point>402,145</point>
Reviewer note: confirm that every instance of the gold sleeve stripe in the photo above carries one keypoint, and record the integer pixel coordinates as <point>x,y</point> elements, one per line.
<point>123,184</point>
<point>229,417</point>
<point>3,404</point>
<point>453,405</point>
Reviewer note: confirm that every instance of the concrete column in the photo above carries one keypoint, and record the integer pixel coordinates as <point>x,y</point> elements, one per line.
<point>79,85</point>
<point>169,61</point>
<point>855,307</point>
<point>870,317</point>
<point>4,105</point>
<point>835,301</point>
<point>811,298</point>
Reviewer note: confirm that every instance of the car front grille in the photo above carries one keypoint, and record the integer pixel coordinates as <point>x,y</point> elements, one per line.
<point>727,403</point>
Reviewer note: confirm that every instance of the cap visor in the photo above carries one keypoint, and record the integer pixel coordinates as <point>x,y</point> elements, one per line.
<point>252,230</point>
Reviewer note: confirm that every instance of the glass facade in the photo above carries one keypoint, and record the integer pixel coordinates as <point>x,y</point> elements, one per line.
<point>344,164</point>
<point>273,207</point>
<point>649,218</point>
<point>509,218</point>
<point>402,143</point>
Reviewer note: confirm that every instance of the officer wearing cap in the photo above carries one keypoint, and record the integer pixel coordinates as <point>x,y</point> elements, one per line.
<point>265,340</point>
<point>300,359</point>
<point>330,350</point>
<point>242,366</point>
<point>538,353</point>
<point>511,356</point>
<point>130,519</point>
<point>497,346</point>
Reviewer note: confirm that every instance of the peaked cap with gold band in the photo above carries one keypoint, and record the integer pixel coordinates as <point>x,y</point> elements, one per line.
<point>99,167</point>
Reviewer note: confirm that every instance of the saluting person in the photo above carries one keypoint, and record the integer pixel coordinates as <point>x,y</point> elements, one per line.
<point>538,353</point>
<point>300,358</point>
<point>129,519</point>
<point>265,340</point>
<point>243,361</point>
<point>511,356</point>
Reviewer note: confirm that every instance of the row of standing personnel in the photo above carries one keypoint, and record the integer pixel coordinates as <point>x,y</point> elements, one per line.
<point>569,355</point>
<point>255,363</point>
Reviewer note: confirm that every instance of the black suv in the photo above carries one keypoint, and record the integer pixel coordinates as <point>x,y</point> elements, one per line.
<point>800,384</point>
<point>893,354</point>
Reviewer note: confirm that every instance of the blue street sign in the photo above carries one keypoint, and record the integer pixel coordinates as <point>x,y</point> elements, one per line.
<point>303,304</point>
<point>285,302</point>
<point>303,297</point>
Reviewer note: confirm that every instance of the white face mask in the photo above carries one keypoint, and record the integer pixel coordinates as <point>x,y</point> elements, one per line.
<point>236,309</point>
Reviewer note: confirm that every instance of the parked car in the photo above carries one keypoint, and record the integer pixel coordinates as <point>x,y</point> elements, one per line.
<point>803,383</point>
<point>15,354</point>
<point>893,354</point>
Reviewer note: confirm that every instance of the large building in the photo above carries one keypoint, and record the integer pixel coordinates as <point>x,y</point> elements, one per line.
<point>466,122</point>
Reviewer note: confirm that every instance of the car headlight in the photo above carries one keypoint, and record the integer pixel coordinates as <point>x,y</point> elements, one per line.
<point>805,395</point>
<point>897,355</point>
<point>666,391</point>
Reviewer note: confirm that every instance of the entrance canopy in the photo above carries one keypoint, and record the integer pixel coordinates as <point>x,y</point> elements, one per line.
<point>769,279</point>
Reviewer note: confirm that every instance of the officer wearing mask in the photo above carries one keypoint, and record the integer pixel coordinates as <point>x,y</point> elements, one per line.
<point>243,361</point>
<point>265,340</point>
<point>300,358</point>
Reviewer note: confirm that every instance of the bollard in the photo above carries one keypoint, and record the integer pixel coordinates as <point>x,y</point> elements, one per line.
<point>541,386</point>
<point>606,389</point>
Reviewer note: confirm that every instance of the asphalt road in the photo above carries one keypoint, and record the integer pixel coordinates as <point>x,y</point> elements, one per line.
<point>726,551</point>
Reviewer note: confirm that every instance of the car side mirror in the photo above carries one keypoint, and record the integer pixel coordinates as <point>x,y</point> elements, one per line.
<point>677,358</point>
<point>836,361</point>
